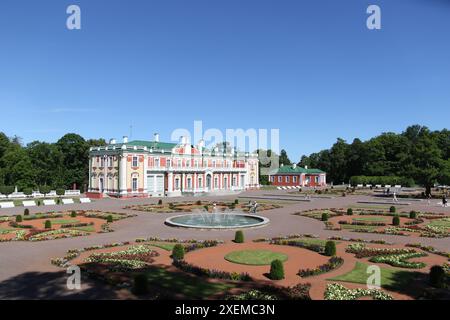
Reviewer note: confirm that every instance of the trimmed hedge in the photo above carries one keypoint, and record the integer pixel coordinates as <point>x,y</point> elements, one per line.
<point>330,248</point>
<point>178,252</point>
<point>276,270</point>
<point>239,236</point>
<point>349,211</point>
<point>48,224</point>
<point>437,276</point>
<point>324,216</point>
<point>396,221</point>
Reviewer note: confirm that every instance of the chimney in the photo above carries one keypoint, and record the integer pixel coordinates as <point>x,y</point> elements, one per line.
<point>156,137</point>
<point>201,143</point>
<point>182,140</point>
<point>125,139</point>
<point>294,166</point>
<point>282,165</point>
<point>112,141</point>
<point>306,167</point>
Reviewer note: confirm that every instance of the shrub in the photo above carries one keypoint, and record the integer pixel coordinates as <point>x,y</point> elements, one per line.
<point>73,214</point>
<point>160,202</point>
<point>413,215</point>
<point>396,221</point>
<point>178,252</point>
<point>199,203</point>
<point>26,212</point>
<point>392,209</point>
<point>109,219</point>
<point>44,189</point>
<point>60,192</point>
<point>236,201</point>
<point>140,284</point>
<point>324,216</point>
<point>39,202</point>
<point>27,191</point>
<point>239,236</point>
<point>349,211</point>
<point>437,276</point>
<point>276,270</point>
<point>19,218</point>
<point>330,248</point>
<point>48,224</point>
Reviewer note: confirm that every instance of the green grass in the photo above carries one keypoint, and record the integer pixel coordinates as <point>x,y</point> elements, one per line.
<point>391,278</point>
<point>440,223</point>
<point>255,257</point>
<point>314,241</point>
<point>165,246</point>
<point>355,227</point>
<point>189,286</point>
<point>64,221</point>
<point>85,228</point>
<point>371,219</point>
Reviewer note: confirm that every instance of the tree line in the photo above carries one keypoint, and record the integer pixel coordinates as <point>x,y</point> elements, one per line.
<point>416,156</point>
<point>42,165</point>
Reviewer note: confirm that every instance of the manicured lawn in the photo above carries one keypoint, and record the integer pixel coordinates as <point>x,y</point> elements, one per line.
<point>353,227</point>
<point>255,257</point>
<point>188,286</point>
<point>64,221</point>
<point>165,246</point>
<point>370,219</point>
<point>390,277</point>
<point>319,242</point>
<point>440,223</point>
<point>85,228</point>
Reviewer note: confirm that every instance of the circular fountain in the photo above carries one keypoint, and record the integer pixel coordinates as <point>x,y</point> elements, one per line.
<point>229,220</point>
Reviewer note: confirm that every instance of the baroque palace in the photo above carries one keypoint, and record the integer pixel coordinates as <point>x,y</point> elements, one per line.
<point>154,168</point>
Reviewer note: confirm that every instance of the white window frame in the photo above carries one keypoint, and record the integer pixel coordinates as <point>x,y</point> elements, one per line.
<point>133,161</point>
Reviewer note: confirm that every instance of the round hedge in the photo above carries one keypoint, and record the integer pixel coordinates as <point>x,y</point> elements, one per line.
<point>330,248</point>
<point>178,252</point>
<point>276,270</point>
<point>239,236</point>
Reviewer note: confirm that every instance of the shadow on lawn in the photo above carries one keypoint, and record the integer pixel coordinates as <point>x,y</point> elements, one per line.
<point>52,286</point>
<point>416,284</point>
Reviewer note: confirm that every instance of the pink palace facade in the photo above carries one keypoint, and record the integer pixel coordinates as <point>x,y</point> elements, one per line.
<point>153,168</point>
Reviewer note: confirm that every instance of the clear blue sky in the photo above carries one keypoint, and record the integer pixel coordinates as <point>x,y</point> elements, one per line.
<point>310,68</point>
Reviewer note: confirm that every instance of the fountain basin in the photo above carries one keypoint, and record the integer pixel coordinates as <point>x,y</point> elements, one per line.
<point>217,221</point>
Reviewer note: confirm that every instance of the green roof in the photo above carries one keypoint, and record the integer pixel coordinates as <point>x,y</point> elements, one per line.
<point>299,170</point>
<point>152,144</point>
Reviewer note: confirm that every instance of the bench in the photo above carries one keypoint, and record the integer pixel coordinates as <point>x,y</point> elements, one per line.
<point>28,203</point>
<point>67,201</point>
<point>49,202</point>
<point>85,200</point>
<point>7,205</point>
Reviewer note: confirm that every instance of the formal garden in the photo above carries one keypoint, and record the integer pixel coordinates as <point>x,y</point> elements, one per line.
<point>383,220</point>
<point>203,206</point>
<point>56,225</point>
<point>299,267</point>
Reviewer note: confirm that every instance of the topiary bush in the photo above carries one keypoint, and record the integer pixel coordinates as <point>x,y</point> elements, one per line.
<point>109,219</point>
<point>239,236</point>
<point>48,224</point>
<point>140,284</point>
<point>73,214</point>
<point>437,276</point>
<point>178,252</point>
<point>324,216</point>
<point>236,201</point>
<point>396,221</point>
<point>26,212</point>
<point>160,202</point>
<point>392,209</point>
<point>199,202</point>
<point>349,211</point>
<point>413,215</point>
<point>276,270</point>
<point>19,218</point>
<point>330,248</point>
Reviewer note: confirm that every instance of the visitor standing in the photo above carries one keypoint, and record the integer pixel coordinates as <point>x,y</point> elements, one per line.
<point>444,201</point>
<point>395,197</point>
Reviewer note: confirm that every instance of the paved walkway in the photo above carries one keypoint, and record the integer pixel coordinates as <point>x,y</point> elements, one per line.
<point>30,261</point>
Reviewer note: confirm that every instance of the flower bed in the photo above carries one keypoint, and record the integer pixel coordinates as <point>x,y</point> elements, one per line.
<point>335,291</point>
<point>332,264</point>
<point>56,234</point>
<point>428,249</point>
<point>217,274</point>
<point>297,292</point>
<point>400,260</point>
<point>361,251</point>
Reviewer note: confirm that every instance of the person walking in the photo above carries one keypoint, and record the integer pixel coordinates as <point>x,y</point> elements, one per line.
<point>395,197</point>
<point>444,201</point>
<point>429,199</point>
